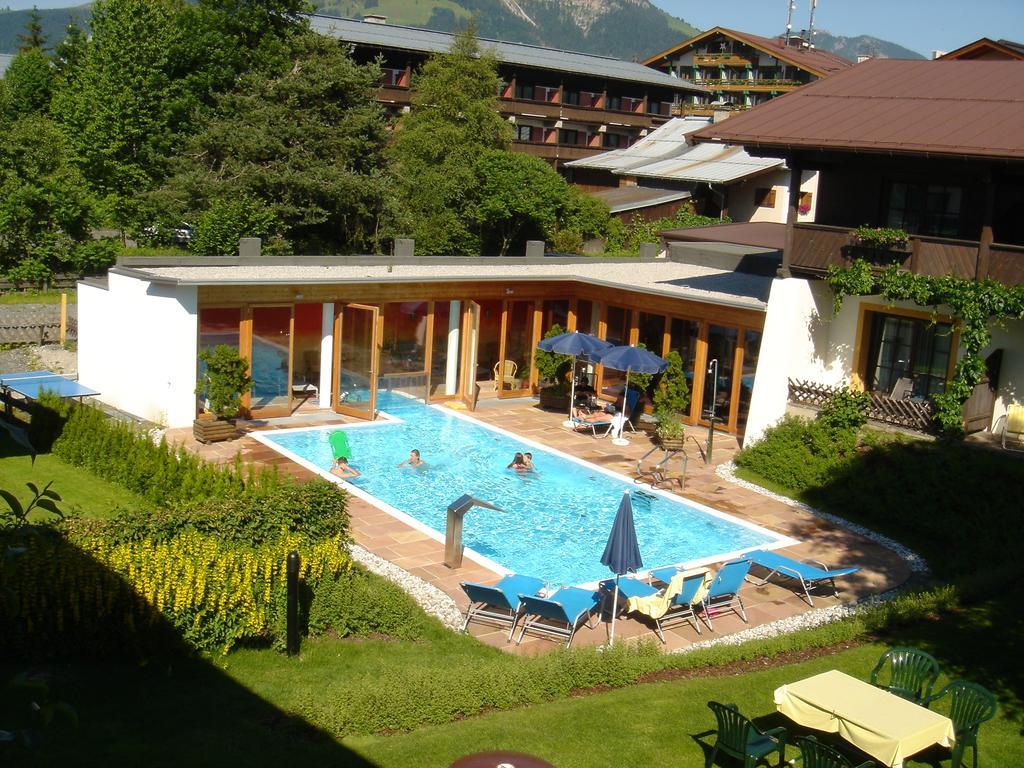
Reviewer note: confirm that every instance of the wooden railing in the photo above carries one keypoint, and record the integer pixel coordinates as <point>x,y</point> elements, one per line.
<point>816,247</point>
<point>909,414</point>
<point>721,60</point>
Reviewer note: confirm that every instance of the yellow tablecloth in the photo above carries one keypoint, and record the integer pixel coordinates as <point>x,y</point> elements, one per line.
<point>888,728</point>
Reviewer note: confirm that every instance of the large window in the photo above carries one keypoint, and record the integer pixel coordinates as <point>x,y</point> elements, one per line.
<point>926,209</point>
<point>271,355</point>
<point>652,332</point>
<point>617,322</point>
<point>513,372</point>
<point>683,339</point>
<point>751,349</point>
<point>908,357</point>
<point>718,381</point>
<point>447,344</point>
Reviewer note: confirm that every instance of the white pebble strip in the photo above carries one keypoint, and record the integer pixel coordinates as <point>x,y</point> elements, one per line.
<point>430,598</point>
<point>916,563</point>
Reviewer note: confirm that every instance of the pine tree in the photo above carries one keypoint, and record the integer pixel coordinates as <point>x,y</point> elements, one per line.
<point>454,119</point>
<point>69,53</point>
<point>33,36</point>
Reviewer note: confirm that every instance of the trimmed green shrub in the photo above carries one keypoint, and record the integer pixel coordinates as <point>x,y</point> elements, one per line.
<point>121,453</point>
<point>798,454</point>
<point>49,414</point>
<point>551,366</point>
<point>847,409</point>
<point>359,603</point>
<point>223,380</point>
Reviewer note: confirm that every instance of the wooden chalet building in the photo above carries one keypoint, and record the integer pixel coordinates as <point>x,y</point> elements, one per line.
<point>740,70</point>
<point>935,148</point>
<point>987,50</point>
<point>563,105</point>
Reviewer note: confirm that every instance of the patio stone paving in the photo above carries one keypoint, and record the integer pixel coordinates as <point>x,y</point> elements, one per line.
<point>421,555</point>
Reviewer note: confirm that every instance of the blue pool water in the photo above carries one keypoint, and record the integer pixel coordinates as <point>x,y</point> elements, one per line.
<point>554,522</point>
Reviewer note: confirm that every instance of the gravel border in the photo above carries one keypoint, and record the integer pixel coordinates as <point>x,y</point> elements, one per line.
<point>431,599</point>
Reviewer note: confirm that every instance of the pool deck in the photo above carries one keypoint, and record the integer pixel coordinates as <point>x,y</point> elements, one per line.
<point>421,555</point>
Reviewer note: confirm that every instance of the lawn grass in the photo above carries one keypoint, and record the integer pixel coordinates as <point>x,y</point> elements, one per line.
<point>37,297</point>
<point>259,707</point>
<point>81,491</point>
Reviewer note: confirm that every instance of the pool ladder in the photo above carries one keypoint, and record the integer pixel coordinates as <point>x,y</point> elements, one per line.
<point>657,471</point>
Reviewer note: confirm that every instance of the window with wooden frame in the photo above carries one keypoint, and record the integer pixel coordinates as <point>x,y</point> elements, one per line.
<point>764,197</point>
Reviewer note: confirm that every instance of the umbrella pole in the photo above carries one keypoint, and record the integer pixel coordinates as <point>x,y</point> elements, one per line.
<point>569,423</point>
<point>619,439</point>
<point>615,609</point>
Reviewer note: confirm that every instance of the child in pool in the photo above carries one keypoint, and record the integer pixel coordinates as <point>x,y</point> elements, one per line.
<point>518,463</point>
<point>342,469</point>
<point>414,459</point>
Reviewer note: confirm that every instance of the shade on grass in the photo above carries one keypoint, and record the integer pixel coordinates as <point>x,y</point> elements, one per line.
<point>93,496</point>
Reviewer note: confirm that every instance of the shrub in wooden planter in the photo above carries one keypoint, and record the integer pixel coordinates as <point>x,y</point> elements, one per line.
<point>555,397</point>
<point>225,379</point>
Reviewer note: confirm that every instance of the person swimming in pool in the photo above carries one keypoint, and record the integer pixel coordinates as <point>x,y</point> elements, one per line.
<point>518,463</point>
<point>341,468</point>
<point>528,462</point>
<point>414,459</point>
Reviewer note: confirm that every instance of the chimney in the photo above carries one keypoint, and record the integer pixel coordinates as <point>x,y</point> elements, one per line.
<point>861,57</point>
<point>375,18</point>
<point>938,54</point>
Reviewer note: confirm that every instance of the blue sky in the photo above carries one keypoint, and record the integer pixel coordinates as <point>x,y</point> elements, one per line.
<point>921,25</point>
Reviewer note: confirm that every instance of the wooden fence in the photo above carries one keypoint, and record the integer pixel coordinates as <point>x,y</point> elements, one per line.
<point>909,414</point>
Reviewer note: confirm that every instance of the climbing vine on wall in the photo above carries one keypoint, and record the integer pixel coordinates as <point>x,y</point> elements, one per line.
<point>976,305</point>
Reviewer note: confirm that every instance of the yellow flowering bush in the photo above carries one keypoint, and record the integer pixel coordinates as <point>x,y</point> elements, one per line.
<point>108,595</point>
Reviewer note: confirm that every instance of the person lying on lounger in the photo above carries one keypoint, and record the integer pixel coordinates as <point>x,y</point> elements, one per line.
<point>598,417</point>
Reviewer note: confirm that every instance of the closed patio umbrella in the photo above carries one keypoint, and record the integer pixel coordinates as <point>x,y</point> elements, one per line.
<point>629,358</point>
<point>573,343</point>
<point>622,552</point>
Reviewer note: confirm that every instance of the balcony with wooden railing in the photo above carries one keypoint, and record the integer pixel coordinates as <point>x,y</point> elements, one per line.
<point>816,247</point>
<point>704,110</point>
<point>721,60</point>
<point>748,84</point>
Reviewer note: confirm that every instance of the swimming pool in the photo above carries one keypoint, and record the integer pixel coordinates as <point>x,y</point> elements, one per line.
<point>553,522</point>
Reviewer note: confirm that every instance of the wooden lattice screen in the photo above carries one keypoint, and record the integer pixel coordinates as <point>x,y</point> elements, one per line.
<point>910,414</point>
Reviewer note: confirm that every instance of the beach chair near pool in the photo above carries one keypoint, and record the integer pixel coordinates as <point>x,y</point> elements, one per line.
<point>724,593</point>
<point>809,574</point>
<point>689,600</point>
<point>560,614</point>
<point>676,601</point>
<point>499,604</point>
<point>597,428</point>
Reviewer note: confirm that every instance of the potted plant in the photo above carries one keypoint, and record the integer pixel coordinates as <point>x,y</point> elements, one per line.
<point>881,238</point>
<point>224,379</point>
<point>553,372</point>
<point>671,403</point>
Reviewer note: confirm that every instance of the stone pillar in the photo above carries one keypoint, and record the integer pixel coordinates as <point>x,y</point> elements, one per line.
<point>451,372</point>
<point>326,355</point>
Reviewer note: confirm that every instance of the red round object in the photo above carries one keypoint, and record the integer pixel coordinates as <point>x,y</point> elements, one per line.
<point>500,760</point>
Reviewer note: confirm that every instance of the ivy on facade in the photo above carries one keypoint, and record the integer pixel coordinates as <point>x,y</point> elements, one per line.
<point>976,306</point>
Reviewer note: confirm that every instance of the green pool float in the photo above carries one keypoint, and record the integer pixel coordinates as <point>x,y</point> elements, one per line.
<point>339,445</point>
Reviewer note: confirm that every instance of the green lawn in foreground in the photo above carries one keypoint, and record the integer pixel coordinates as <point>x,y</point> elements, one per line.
<point>91,495</point>
<point>37,297</point>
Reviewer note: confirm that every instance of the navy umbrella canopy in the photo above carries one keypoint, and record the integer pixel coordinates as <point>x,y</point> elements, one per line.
<point>574,343</point>
<point>622,552</point>
<point>628,358</point>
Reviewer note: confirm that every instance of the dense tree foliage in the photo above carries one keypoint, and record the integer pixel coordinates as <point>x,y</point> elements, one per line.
<point>32,38</point>
<point>29,84</point>
<point>453,121</point>
<point>305,143</point>
<point>520,197</point>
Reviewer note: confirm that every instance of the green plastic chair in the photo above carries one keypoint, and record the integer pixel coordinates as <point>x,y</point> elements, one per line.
<point>814,754</point>
<point>971,706</point>
<point>911,674</point>
<point>738,737</point>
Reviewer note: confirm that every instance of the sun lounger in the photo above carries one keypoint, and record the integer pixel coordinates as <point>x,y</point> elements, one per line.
<point>558,615</point>
<point>499,604</point>
<point>677,601</point>
<point>723,594</point>
<point>807,573</point>
<point>605,426</point>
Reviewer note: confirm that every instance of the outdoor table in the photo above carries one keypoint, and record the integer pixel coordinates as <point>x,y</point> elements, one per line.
<point>888,728</point>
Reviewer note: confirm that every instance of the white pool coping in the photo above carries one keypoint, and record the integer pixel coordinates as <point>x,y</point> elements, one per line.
<point>384,419</point>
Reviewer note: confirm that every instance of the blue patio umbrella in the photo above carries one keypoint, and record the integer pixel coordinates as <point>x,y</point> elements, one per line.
<point>622,552</point>
<point>574,343</point>
<point>628,358</point>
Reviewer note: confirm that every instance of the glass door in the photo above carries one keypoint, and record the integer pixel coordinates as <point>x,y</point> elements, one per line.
<point>718,380</point>
<point>512,371</point>
<point>271,361</point>
<point>356,333</point>
<point>471,334</point>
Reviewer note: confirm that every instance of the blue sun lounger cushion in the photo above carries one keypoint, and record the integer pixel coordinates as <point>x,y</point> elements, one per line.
<point>559,614</point>
<point>499,604</point>
<point>809,575</point>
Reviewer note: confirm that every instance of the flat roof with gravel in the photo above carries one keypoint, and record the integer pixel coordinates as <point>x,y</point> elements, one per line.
<point>661,277</point>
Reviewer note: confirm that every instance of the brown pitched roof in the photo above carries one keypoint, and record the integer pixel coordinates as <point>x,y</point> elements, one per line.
<point>817,62</point>
<point>986,48</point>
<point>953,108</point>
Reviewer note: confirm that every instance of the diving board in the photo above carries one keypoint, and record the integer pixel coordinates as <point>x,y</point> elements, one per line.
<point>30,383</point>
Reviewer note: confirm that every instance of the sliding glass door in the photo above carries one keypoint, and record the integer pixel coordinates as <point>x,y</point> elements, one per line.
<point>356,336</point>
<point>271,361</point>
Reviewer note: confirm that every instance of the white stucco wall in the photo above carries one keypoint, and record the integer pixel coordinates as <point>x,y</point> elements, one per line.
<point>1010,339</point>
<point>137,345</point>
<point>742,205</point>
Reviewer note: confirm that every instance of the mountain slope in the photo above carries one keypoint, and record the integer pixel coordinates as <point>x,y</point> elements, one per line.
<point>862,45</point>
<point>55,21</point>
<point>626,29</point>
